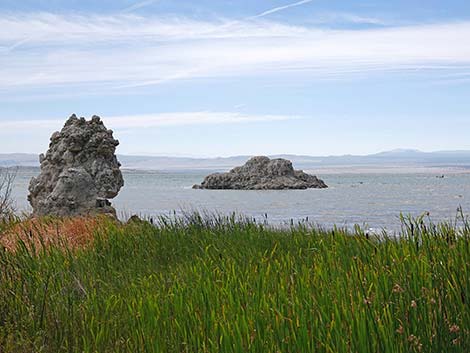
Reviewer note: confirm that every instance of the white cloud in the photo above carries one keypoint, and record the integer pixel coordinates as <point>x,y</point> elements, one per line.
<point>129,122</point>
<point>122,51</point>
<point>190,118</point>
<point>71,30</point>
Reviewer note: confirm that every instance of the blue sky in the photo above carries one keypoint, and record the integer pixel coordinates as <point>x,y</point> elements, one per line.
<point>219,77</point>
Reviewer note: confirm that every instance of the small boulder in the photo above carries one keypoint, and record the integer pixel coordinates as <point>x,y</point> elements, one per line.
<point>134,219</point>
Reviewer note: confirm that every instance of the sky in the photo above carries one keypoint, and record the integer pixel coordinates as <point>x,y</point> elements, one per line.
<point>238,77</point>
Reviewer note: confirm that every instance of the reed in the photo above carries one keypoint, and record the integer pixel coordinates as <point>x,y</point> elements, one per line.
<point>228,284</point>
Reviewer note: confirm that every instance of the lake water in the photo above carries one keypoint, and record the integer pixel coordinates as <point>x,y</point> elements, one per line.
<point>370,200</point>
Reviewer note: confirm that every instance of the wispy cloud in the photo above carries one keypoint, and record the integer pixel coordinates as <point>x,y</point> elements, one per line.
<point>191,118</point>
<point>124,51</point>
<point>281,8</point>
<point>150,121</point>
<point>335,18</point>
<point>139,5</point>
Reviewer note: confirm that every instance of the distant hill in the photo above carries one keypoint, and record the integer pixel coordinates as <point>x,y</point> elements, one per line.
<point>384,159</point>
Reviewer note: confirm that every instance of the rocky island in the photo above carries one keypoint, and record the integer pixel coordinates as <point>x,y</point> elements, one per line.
<point>79,172</point>
<point>262,173</point>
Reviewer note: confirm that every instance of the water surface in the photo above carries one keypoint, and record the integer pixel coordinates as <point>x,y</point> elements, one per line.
<point>370,200</point>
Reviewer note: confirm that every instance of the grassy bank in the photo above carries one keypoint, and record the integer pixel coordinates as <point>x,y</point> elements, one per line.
<point>200,285</point>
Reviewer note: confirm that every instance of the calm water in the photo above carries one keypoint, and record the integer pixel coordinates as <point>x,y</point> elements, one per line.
<point>370,200</point>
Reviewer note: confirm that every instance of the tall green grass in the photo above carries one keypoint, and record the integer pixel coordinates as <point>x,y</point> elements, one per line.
<point>230,285</point>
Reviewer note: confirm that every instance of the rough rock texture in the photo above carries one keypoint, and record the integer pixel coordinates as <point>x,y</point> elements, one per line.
<point>79,172</point>
<point>262,173</point>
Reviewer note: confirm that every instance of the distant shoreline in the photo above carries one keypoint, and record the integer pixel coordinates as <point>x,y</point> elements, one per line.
<point>321,170</point>
<point>404,169</point>
<point>398,161</point>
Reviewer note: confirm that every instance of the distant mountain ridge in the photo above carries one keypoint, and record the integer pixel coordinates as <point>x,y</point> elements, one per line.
<point>400,157</point>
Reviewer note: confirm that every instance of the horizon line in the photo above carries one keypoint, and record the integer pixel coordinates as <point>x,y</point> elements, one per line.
<point>396,150</point>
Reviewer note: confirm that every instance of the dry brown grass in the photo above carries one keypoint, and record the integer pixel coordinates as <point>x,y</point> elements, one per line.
<point>72,233</point>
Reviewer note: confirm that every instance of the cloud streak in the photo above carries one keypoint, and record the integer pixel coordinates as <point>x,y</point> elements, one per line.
<point>139,5</point>
<point>281,8</point>
<point>347,18</point>
<point>125,52</point>
<point>129,122</point>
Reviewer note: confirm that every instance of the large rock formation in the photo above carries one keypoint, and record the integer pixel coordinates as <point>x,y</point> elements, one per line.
<point>79,172</point>
<point>262,173</point>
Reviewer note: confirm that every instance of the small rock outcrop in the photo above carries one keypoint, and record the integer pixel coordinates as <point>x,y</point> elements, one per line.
<point>79,172</point>
<point>262,173</point>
